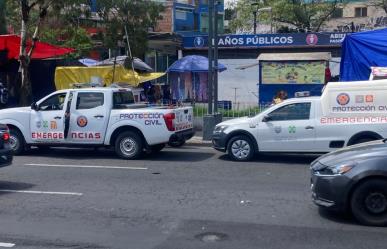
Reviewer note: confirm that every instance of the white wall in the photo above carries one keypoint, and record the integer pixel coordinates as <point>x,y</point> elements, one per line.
<point>246,80</point>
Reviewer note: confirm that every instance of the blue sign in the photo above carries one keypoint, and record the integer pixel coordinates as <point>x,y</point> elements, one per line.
<point>268,40</point>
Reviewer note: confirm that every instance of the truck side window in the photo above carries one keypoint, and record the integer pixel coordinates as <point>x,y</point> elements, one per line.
<point>299,111</point>
<point>89,100</point>
<point>122,100</point>
<point>53,103</point>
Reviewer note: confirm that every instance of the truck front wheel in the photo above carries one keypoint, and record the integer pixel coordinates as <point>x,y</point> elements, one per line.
<point>240,148</point>
<point>129,145</point>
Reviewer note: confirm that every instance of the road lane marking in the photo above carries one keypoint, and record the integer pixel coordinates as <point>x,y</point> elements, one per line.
<point>83,166</point>
<point>40,192</point>
<point>8,245</point>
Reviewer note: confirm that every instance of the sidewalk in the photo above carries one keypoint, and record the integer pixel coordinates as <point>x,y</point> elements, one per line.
<point>197,140</point>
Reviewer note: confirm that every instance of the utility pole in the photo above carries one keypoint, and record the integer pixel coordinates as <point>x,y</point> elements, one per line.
<point>211,120</point>
<point>255,22</point>
<point>210,55</point>
<point>216,57</point>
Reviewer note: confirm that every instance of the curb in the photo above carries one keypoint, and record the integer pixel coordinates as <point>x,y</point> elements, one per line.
<point>198,141</point>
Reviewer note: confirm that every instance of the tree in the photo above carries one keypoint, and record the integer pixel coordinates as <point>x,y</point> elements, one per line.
<point>301,14</point>
<point>28,16</point>
<point>138,16</point>
<point>304,15</point>
<point>3,26</point>
<point>380,4</point>
<point>25,54</point>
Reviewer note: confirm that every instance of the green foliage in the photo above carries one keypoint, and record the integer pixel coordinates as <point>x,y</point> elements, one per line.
<point>303,15</point>
<point>200,111</point>
<point>72,37</point>
<point>137,15</point>
<point>3,25</point>
<point>380,4</point>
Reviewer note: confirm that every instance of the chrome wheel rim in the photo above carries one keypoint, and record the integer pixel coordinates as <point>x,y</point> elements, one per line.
<point>240,149</point>
<point>128,146</point>
<point>13,142</point>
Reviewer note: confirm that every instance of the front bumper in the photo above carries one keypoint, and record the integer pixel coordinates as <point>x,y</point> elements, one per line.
<point>182,135</point>
<point>330,192</point>
<point>6,157</point>
<point>219,141</point>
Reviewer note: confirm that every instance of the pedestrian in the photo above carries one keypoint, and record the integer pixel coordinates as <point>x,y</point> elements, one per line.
<point>280,96</point>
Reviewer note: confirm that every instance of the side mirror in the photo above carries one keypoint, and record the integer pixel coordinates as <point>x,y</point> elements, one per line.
<point>34,106</point>
<point>266,118</point>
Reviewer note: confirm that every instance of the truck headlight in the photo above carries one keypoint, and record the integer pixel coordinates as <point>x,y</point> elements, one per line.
<point>220,128</point>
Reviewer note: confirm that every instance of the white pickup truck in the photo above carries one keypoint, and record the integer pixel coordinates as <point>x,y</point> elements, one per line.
<point>96,117</point>
<point>347,113</point>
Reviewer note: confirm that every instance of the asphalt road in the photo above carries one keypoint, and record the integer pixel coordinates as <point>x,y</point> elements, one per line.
<point>185,198</point>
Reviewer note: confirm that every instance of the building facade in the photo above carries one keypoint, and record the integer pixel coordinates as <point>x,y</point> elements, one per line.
<point>355,16</point>
<point>188,16</point>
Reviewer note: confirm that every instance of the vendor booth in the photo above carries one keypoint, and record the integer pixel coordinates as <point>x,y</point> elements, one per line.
<point>289,75</point>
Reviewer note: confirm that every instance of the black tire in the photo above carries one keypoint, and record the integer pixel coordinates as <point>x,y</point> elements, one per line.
<point>157,148</point>
<point>364,140</point>
<point>240,148</point>
<point>17,141</point>
<point>369,203</point>
<point>129,145</point>
<point>177,143</point>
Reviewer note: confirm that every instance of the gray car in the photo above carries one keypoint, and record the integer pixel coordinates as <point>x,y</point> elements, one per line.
<point>354,180</point>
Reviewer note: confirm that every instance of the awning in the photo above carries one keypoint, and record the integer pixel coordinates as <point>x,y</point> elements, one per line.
<point>42,50</point>
<point>318,56</point>
<point>67,77</point>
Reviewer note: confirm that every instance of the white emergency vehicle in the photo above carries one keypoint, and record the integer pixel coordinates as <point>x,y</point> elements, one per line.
<point>97,117</point>
<point>347,113</point>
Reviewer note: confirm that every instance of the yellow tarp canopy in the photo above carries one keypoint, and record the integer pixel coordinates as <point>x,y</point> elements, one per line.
<point>66,77</point>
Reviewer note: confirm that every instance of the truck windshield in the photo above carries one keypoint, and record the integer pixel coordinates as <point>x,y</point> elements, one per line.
<point>122,100</point>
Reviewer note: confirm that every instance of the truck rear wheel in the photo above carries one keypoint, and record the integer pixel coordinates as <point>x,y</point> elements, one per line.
<point>16,141</point>
<point>240,148</point>
<point>129,145</point>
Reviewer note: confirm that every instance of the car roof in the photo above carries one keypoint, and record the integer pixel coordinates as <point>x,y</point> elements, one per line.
<point>311,98</point>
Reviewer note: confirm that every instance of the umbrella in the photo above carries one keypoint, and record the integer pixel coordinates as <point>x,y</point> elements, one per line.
<point>194,64</point>
<point>125,61</point>
<point>88,62</point>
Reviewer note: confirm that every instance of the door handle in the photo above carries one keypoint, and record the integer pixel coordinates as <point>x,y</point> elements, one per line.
<point>309,127</point>
<point>57,117</point>
<point>98,116</point>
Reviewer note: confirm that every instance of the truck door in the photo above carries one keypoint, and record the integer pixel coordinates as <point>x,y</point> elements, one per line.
<point>47,121</point>
<point>89,116</point>
<point>288,128</point>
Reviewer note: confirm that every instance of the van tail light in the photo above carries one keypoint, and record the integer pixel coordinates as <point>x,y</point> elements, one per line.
<point>6,136</point>
<point>168,118</point>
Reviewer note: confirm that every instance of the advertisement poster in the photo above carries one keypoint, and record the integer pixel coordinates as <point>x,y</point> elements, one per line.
<point>299,72</point>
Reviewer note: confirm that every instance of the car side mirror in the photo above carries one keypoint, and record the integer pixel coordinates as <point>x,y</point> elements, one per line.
<point>266,118</point>
<point>34,106</point>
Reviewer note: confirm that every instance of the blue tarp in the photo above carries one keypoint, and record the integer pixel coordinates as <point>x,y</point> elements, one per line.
<point>360,52</point>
